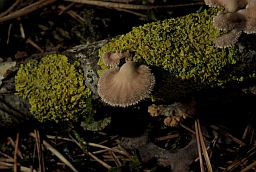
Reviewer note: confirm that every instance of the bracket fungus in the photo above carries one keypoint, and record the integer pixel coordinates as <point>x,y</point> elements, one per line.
<point>126,85</point>
<point>239,19</point>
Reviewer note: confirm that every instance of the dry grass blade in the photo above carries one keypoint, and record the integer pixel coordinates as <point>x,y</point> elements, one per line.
<point>199,147</point>
<point>26,10</point>
<point>72,14</point>
<point>115,158</point>
<point>130,6</point>
<point>241,143</point>
<point>39,151</point>
<point>66,8</point>
<point>21,168</point>
<point>34,45</point>
<point>132,12</point>
<point>172,136</point>
<point>249,167</point>
<point>15,163</point>
<point>10,8</point>
<point>241,160</point>
<point>205,153</point>
<point>57,153</point>
<point>125,152</point>
<point>99,160</point>
<point>105,147</point>
<point>187,128</point>
<point>91,155</point>
<point>249,129</point>
<point>13,144</point>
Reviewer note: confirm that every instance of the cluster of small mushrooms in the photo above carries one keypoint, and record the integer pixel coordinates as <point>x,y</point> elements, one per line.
<point>241,17</point>
<point>126,85</point>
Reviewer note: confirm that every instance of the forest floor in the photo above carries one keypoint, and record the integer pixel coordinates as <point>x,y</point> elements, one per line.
<point>226,135</point>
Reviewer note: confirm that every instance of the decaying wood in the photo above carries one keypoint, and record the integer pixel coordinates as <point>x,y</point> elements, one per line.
<point>13,109</point>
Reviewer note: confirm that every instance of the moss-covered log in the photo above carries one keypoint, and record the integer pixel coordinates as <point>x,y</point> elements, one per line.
<point>180,51</point>
<point>21,95</point>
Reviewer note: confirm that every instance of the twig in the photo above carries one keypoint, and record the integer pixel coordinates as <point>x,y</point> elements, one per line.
<point>249,167</point>
<point>34,45</point>
<point>22,32</point>
<point>57,153</point>
<point>72,14</point>
<point>115,158</point>
<point>228,135</point>
<point>167,137</point>
<point>89,153</point>
<point>66,8</point>
<point>99,160</point>
<point>22,168</point>
<point>15,164</point>
<point>130,6</point>
<point>10,8</point>
<point>131,12</point>
<point>205,153</point>
<point>13,144</point>
<point>26,10</point>
<point>125,151</point>
<point>199,147</point>
<point>39,154</point>
<point>9,33</point>
<point>105,147</point>
<point>241,160</point>
<point>187,128</point>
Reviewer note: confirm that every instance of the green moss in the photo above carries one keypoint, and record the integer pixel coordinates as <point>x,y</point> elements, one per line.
<point>54,88</point>
<point>183,48</point>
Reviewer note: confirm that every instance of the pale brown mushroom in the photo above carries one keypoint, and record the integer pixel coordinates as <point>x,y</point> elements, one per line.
<point>243,20</point>
<point>112,59</point>
<point>228,39</point>
<point>248,16</point>
<point>230,5</point>
<point>225,21</point>
<point>126,85</point>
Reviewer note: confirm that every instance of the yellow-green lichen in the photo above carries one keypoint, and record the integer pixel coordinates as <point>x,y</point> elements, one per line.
<point>54,88</point>
<point>183,47</point>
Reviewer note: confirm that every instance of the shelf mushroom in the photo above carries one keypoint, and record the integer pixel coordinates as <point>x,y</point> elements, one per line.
<point>126,85</point>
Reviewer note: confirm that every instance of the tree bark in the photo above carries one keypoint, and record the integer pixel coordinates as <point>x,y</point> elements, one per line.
<point>14,110</point>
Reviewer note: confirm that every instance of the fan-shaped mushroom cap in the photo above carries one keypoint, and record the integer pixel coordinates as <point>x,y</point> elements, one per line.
<point>225,20</point>
<point>126,85</point>
<point>230,5</point>
<point>112,59</point>
<point>249,16</point>
<point>228,39</point>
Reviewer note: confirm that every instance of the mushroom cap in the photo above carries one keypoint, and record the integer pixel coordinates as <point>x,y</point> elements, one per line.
<point>112,59</point>
<point>249,18</point>
<point>226,21</point>
<point>228,39</point>
<point>126,85</point>
<point>230,5</point>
